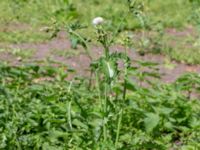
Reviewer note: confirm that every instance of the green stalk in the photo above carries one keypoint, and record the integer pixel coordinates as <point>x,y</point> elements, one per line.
<point>125,76</point>
<point>103,105</point>
<point>118,128</point>
<point>105,111</point>
<point>84,41</point>
<point>90,80</point>
<point>69,115</point>
<point>106,52</point>
<point>124,98</point>
<point>99,91</point>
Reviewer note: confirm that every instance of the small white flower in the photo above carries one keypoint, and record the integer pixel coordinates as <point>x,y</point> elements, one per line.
<point>97,21</point>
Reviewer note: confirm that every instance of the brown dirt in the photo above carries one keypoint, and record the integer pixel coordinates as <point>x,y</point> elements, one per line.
<point>188,31</point>
<point>81,62</point>
<point>9,27</point>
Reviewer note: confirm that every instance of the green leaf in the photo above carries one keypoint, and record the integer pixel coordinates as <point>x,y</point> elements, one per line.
<point>168,125</point>
<point>151,121</point>
<point>74,43</point>
<point>109,69</point>
<point>164,110</point>
<point>79,124</point>
<point>130,85</point>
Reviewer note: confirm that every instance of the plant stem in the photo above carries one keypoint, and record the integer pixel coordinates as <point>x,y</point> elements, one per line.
<point>69,115</point>
<point>107,52</point>
<point>99,91</point>
<point>125,76</point>
<point>118,128</point>
<point>124,98</point>
<point>90,80</point>
<point>84,41</point>
<point>105,112</point>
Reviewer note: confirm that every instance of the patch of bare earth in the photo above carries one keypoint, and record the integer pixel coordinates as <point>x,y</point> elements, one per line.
<point>81,62</point>
<point>188,31</point>
<point>9,27</point>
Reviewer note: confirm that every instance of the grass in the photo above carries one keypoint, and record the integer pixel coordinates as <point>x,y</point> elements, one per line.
<point>67,53</point>
<point>38,14</point>
<point>17,37</point>
<point>15,10</point>
<point>172,13</point>
<point>185,55</point>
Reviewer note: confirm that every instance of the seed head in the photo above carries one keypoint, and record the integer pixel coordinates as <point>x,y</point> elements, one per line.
<point>97,21</point>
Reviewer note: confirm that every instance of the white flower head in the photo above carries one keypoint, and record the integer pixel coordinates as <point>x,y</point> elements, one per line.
<point>97,21</point>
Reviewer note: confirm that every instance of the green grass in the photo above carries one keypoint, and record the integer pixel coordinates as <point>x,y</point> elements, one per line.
<point>171,13</point>
<point>37,14</point>
<point>175,13</point>
<point>23,54</point>
<point>27,36</point>
<point>67,53</point>
<point>184,52</point>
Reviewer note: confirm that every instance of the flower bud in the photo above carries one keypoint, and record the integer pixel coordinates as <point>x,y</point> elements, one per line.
<point>97,21</point>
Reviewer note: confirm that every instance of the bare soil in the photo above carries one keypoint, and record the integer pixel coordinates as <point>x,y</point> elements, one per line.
<point>169,71</point>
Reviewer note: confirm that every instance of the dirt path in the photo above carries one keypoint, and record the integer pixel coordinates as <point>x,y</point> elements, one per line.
<point>80,62</point>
